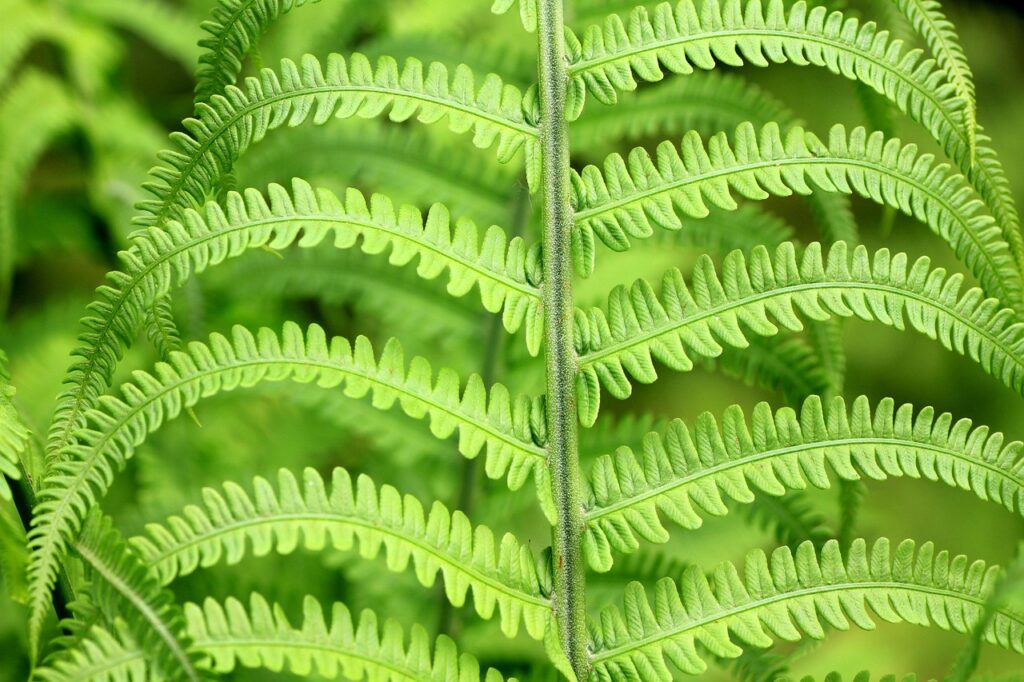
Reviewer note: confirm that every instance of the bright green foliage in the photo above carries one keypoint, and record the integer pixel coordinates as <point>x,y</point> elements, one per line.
<point>378,229</point>
<point>688,473</point>
<point>788,596</point>
<point>233,29</point>
<point>121,583</point>
<point>484,418</point>
<point>764,292</point>
<point>14,435</point>
<point>99,657</point>
<point>262,637</point>
<point>309,515</point>
<point>161,259</point>
<point>495,113</point>
<point>610,58</point>
<point>631,197</point>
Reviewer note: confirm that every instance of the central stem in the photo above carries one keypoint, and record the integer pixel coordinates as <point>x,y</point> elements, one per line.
<point>559,352</point>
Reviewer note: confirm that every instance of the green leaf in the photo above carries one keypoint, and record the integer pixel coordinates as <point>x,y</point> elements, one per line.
<point>734,32</point>
<point>228,125</point>
<point>640,326</point>
<point>790,596</point>
<point>122,586</point>
<point>485,418</point>
<point>99,656</point>
<point>630,197</point>
<point>689,473</point>
<point>310,515</point>
<point>262,637</point>
<point>504,270</point>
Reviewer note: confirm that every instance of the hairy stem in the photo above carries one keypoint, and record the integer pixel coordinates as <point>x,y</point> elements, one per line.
<point>559,352</point>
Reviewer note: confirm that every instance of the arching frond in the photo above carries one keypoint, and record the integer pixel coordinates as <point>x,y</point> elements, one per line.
<point>100,655</point>
<point>261,636</point>
<point>14,434</point>
<point>630,197</point>
<point>234,28</point>
<point>928,19</point>
<point>790,596</point>
<point>485,418</point>
<point>123,587</point>
<point>689,473</point>
<point>504,270</point>
<point>496,113</point>
<point>311,515</point>
<point>640,326</point>
<point>613,55</point>
<point>406,163</point>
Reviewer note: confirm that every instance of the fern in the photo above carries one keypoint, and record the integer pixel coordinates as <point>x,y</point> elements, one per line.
<point>628,197</point>
<point>307,514</point>
<point>261,636</point>
<point>497,421</point>
<point>733,32</point>
<point>792,595</point>
<point>225,128</point>
<point>689,473</point>
<point>155,622</point>
<point>387,247</point>
<point>161,258</point>
<point>639,325</point>
<point>233,30</point>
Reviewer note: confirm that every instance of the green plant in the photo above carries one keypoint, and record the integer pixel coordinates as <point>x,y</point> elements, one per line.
<point>121,621</point>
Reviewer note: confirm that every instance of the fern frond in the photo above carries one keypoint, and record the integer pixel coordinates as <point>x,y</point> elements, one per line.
<point>496,113</point>
<point>640,325</point>
<point>14,434</point>
<point>630,197</point>
<point>312,515</point>
<point>504,270</point>
<point>734,32</point>
<point>687,473</point>
<point>789,596</point>
<point>928,19</point>
<point>261,636</point>
<point>100,655</point>
<point>485,418</point>
<point>233,29</point>
<point>122,585</point>
<point>406,163</point>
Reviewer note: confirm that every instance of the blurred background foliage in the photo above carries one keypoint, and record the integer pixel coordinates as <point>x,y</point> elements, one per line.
<point>89,89</point>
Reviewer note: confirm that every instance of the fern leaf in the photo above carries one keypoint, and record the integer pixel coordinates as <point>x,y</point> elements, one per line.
<point>485,418</point>
<point>261,636</point>
<point>504,270</point>
<point>122,585</point>
<point>789,596</point>
<point>101,655</point>
<point>233,29</point>
<point>408,164</point>
<point>928,19</point>
<point>14,434</point>
<point>229,124</point>
<point>630,197</point>
<point>689,473</point>
<point>527,11</point>
<point>640,326</point>
<point>311,515</point>
<point>613,55</point>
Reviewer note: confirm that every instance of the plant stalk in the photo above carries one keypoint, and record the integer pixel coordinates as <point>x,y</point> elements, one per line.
<point>559,352</point>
